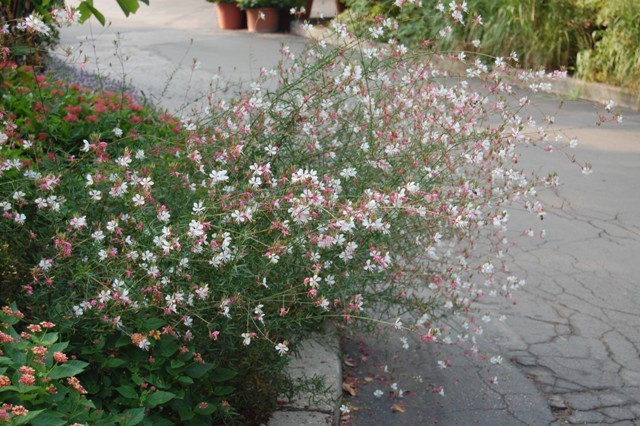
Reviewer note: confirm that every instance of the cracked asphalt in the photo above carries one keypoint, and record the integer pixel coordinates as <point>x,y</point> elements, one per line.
<point>571,344</point>
<point>576,328</point>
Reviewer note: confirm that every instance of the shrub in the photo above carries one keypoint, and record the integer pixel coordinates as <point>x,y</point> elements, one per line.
<point>542,34</point>
<point>192,256</point>
<point>616,56</point>
<point>37,378</point>
<point>28,28</point>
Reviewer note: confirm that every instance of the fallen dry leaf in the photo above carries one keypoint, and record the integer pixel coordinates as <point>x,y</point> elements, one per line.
<point>397,408</point>
<point>349,388</point>
<point>349,362</point>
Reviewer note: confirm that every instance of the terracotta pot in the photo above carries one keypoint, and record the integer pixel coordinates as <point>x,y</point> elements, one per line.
<point>230,16</point>
<point>267,24</point>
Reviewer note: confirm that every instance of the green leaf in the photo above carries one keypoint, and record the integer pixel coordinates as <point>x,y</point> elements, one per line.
<point>185,412</point>
<point>207,410</point>
<point>128,6</point>
<point>86,9</point>
<point>159,398</point>
<point>49,339</point>
<point>223,390</point>
<point>58,347</point>
<point>68,369</point>
<point>176,363</point>
<point>197,370</point>
<point>153,324</point>
<point>113,363</point>
<point>127,392</point>
<point>28,419</point>
<point>167,346</point>
<point>122,341</point>
<point>185,380</point>
<point>132,416</point>
<point>222,374</point>
<point>156,420</point>
<point>49,418</point>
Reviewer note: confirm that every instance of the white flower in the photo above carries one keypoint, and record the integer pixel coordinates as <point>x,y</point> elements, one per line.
<point>496,359</point>
<point>138,200</point>
<point>45,264</point>
<point>98,236</point>
<point>78,222</point>
<point>198,208</point>
<point>378,393</point>
<point>246,338</point>
<point>609,105</point>
<point>217,176</point>
<point>282,349</point>
<point>348,173</point>
<point>117,132</point>
<point>398,324</point>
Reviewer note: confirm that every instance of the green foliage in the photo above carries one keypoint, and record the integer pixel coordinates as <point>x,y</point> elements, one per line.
<point>278,4</point>
<point>615,57</point>
<point>598,40</point>
<point>37,379</point>
<point>28,45</point>
<point>169,381</point>
<point>87,9</point>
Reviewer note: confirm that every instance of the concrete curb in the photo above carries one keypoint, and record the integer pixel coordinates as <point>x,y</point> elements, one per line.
<point>572,88</point>
<point>318,358</point>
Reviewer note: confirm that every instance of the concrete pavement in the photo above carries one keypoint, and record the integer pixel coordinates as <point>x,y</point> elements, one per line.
<point>576,329</point>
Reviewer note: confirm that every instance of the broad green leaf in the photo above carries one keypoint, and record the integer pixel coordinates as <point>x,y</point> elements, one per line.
<point>86,9</point>
<point>185,412</point>
<point>132,416</point>
<point>128,6</point>
<point>222,374</point>
<point>49,418</point>
<point>153,323</point>
<point>157,421</point>
<point>28,419</point>
<point>167,346</point>
<point>207,410</point>
<point>223,390</point>
<point>159,398</point>
<point>127,391</point>
<point>176,363</point>
<point>58,347</point>
<point>49,339</point>
<point>68,369</point>
<point>113,363</point>
<point>185,380</point>
<point>197,370</point>
<point>122,341</point>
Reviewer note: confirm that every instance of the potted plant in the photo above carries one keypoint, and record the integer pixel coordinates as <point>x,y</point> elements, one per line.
<point>230,16</point>
<point>262,15</point>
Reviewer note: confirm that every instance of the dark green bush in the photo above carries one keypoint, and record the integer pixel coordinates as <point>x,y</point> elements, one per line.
<point>615,57</point>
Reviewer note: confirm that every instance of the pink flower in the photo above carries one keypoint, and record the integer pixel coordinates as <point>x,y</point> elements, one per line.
<point>27,380</point>
<point>60,357</point>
